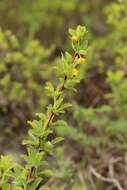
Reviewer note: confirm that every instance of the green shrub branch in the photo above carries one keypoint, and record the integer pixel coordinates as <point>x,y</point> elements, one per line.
<point>30,175</point>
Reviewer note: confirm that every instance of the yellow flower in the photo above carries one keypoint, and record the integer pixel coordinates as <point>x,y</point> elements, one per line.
<point>75,72</point>
<point>75,39</point>
<point>81,60</point>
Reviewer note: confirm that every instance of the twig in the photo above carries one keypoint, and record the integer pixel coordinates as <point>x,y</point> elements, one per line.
<point>112,161</point>
<point>80,174</point>
<point>110,180</point>
<point>93,186</point>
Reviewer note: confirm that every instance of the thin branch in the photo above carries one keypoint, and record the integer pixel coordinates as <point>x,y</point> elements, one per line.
<point>52,115</point>
<point>81,178</point>
<point>109,180</point>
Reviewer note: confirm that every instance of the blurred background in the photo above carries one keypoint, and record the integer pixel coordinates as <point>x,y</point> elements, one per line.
<point>32,36</point>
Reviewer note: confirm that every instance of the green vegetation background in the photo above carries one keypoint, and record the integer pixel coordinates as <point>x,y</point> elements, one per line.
<point>32,37</point>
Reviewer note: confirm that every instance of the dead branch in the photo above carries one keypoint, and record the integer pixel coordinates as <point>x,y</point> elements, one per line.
<point>109,180</point>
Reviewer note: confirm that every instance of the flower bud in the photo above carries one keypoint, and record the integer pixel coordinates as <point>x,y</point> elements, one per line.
<point>75,39</point>
<point>81,60</point>
<point>75,72</point>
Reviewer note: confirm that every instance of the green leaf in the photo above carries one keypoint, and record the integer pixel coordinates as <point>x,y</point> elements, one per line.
<point>17,188</point>
<point>35,184</point>
<point>60,123</point>
<point>50,91</point>
<point>69,57</point>
<point>70,84</point>
<point>31,142</point>
<point>34,157</point>
<point>71,31</point>
<point>5,186</point>
<point>47,173</point>
<point>41,116</point>
<point>57,140</point>
<point>37,128</point>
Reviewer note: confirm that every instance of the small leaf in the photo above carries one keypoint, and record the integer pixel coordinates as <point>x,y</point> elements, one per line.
<point>57,140</point>
<point>35,184</point>
<point>44,188</point>
<point>47,173</point>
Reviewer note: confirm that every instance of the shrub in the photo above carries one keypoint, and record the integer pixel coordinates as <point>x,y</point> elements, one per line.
<point>50,20</point>
<point>21,79</point>
<point>39,144</point>
<point>98,132</point>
